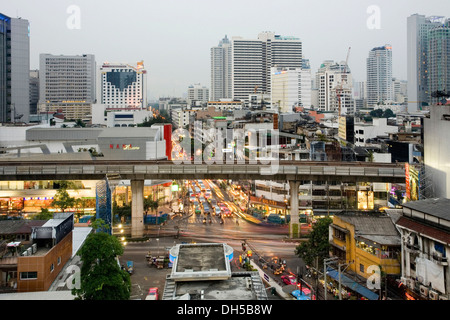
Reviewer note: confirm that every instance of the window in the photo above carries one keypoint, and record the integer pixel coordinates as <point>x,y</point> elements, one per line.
<point>59,260</point>
<point>28,275</point>
<point>361,267</point>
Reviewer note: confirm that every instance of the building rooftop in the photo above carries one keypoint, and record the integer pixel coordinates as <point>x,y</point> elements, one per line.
<point>438,207</point>
<point>195,262</point>
<point>379,229</point>
<point>19,226</point>
<point>202,272</point>
<point>240,286</point>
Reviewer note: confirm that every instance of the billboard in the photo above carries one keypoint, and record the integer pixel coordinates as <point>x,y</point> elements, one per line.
<point>412,182</point>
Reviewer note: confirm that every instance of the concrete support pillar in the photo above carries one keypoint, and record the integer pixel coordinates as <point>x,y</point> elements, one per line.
<point>294,225</point>
<point>137,208</point>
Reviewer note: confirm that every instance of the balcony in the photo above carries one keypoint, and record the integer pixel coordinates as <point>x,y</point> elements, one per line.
<point>413,247</point>
<point>439,259</point>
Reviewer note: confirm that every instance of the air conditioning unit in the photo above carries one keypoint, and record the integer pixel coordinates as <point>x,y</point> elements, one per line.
<point>433,295</point>
<point>424,291</point>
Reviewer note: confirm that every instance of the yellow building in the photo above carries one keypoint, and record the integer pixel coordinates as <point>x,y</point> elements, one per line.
<point>366,242</point>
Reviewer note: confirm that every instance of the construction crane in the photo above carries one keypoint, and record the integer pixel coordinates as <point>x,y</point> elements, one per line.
<point>339,88</point>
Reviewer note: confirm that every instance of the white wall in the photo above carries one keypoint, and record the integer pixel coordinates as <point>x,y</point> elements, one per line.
<point>437,150</point>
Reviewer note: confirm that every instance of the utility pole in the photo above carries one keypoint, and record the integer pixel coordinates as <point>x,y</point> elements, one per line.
<point>326,262</point>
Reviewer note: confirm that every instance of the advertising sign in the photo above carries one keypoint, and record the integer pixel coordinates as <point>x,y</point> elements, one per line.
<point>408,186</point>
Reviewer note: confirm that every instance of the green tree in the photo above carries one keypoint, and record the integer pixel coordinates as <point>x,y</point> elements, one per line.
<point>63,200</point>
<point>101,277</point>
<point>317,244</point>
<point>79,123</point>
<point>377,113</point>
<point>122,212</point>
<point>388,113</point>
<point>43,215</point>
<point>151,204</point>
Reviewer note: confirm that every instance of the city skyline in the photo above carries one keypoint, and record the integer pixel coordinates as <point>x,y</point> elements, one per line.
<point>174,38</point>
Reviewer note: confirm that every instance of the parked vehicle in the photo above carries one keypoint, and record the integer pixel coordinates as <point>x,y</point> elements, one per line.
<point>304,294</point>
<point>152,294</point>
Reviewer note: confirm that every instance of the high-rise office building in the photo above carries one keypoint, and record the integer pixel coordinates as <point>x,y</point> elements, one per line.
<point>438,61</point>
<point>286,88</point>
<point>400,90</point>
<point>379,76</point>
<point>14,69</point>
<point>335,85</point>
<point>197,95</point>
<point>67,84</point>
<point>306,85</point>
<point>122,86</point>
<point>252,60</point>
<point>418,27</point>
<point>34,91</point>
<point>5,94</point>
<point>221,70</point>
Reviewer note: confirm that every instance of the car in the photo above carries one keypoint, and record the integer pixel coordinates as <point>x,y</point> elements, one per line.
<point>217,210</point>
<point>152,294</point>
<point>304,294</point>
<point>290,279</point>
<point>226,212</point>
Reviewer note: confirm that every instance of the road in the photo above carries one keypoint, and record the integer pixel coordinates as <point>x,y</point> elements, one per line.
<point>265,242</point>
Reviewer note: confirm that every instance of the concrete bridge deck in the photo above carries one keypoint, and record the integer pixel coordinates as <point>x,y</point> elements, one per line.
<point>22,169</point>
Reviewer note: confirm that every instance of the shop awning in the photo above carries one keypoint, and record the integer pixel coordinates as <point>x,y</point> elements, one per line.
<point>352,285</point>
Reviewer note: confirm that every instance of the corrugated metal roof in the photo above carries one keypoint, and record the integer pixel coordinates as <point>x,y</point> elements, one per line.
<point>379,229</point>
<point>19,226</point>
<point>435,207</point>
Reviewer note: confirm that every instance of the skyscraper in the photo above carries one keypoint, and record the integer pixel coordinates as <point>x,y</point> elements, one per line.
<point>5,100</point>
<point>123,87</point>
<point>379,76</point>
<point>439,61</point>
<point>335,85</point>
<point>14,69</point>
<point>34,91</point>
<point>67,83</point>
<point>418,27</point>
<point>252,60</point>
<point>286,88</point>
<point>306,85</point>
<point>197,95</point>
<point>221,70</point>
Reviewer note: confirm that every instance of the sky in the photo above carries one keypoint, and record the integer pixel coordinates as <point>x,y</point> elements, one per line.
<point>174,37</point>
